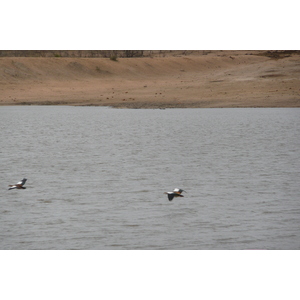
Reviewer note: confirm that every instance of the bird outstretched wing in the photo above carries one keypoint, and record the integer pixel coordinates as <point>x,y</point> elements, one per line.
<point>22,182</point>
<point>170,197</point>
<point>12,187</point>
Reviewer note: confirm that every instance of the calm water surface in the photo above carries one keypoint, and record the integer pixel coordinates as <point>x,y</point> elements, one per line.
<point>96,178</point>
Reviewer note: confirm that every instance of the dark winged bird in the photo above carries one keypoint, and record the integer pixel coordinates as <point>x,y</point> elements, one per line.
<point>176,193</point>
<point>18,185</point>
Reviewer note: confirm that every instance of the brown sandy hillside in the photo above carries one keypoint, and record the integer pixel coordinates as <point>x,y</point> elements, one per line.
<point>215,79</point>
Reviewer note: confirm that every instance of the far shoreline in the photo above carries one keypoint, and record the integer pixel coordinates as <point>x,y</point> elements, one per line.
<point>218,79</point>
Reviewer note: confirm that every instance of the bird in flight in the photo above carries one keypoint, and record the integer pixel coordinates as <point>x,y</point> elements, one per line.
<point>176,193</point>
<point>18,185</point>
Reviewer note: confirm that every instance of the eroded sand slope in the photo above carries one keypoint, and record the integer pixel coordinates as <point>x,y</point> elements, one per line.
<point>219,79</point>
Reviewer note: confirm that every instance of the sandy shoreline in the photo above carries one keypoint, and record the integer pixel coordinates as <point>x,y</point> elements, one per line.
<point>218,79</point>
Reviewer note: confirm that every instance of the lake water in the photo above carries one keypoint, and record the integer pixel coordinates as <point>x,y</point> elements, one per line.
<point>96,178</point>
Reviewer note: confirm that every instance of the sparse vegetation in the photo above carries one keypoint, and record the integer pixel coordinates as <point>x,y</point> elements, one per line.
<point>114,57</point>
<point>95,53</point>
<point>277,54</point>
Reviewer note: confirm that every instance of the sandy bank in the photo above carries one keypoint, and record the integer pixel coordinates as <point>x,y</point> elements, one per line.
<point>218,79</point>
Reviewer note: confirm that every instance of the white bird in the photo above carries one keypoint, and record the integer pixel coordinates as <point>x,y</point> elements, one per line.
<point>18,185</point>
<point>176,193</point>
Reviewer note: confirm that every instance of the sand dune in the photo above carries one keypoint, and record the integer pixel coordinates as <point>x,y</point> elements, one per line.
<point>218,79</point>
